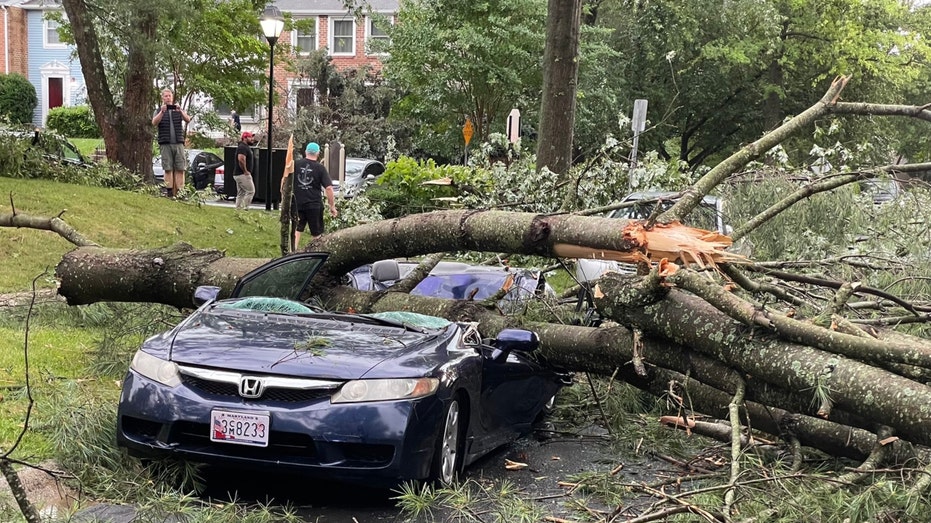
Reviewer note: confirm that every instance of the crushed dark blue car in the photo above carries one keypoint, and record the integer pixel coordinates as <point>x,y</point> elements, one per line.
<point>264,381</point>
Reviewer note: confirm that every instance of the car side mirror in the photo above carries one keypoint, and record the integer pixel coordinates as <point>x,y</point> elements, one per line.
<point>205,293</point>
<point>509,340</point>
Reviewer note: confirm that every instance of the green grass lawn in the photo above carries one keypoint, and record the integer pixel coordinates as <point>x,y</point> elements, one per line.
<point>118,219</point>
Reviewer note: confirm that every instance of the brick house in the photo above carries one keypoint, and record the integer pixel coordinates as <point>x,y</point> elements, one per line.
<point>346,38</point>
<point>13,39</point>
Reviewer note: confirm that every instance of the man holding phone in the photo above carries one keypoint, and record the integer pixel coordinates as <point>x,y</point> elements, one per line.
<point>170,120</point>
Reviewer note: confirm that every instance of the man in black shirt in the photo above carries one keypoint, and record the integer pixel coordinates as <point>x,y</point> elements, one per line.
<point>310,180</point>
<point>242,171</point>
<point>170,119</point>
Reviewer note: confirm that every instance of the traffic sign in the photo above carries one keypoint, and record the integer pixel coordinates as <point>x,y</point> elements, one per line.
<point>467,131</point>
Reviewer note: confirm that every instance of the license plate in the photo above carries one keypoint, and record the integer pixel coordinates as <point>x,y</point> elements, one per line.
<point>242,428</point>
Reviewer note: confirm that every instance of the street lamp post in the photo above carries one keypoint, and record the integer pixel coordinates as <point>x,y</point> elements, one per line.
<point>272,24</point>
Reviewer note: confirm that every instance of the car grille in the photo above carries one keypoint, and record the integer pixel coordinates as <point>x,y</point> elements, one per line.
<point>219,388</point>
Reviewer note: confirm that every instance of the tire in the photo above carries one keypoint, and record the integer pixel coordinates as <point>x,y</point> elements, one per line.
<point>447,457</point>
<point>546,411</point>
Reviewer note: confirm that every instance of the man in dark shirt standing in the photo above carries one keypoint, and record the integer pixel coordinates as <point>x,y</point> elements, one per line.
<point>170,119</point>
<point>310,180</point>
<point>242,172</point>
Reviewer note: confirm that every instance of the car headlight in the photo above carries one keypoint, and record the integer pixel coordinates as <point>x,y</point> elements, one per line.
<point>156,369</point>
<point>385,389</point>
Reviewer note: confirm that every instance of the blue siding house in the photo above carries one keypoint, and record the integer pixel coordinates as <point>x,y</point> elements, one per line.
<point>54,68</point>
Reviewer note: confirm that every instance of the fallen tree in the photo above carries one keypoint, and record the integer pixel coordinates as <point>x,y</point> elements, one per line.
<point>702,321</point>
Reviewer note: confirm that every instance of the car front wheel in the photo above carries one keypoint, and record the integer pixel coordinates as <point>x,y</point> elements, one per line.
<point>447,459</point>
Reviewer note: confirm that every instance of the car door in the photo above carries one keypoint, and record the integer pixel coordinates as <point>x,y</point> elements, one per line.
<point>512,393</point>
<point>286,277</point>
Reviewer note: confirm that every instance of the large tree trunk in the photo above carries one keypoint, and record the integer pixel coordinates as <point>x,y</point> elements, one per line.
<point>126,127</point>
<point>560,80</point>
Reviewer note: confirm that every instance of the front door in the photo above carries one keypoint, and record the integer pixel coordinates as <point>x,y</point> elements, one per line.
<point>55,93</point>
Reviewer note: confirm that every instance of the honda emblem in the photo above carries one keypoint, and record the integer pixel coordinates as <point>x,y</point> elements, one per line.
<point>251,387</point>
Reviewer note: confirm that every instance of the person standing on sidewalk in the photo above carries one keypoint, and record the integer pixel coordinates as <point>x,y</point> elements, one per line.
<point>311,180</point>
<point>242,171</point>
<point>170,119</point>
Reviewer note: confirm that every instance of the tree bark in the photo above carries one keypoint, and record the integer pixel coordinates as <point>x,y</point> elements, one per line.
<point>560,80</point>
<point>169,275</point>
<point>126,126</point>
<point>19,492</point>
<point>854,386</point>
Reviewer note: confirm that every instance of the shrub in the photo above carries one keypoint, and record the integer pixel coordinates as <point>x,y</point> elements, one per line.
<point>18,98</point>
<point>401,189</point>
<point>73,122</point>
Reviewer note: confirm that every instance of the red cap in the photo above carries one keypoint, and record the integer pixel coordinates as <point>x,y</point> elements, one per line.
<point>247,134</point>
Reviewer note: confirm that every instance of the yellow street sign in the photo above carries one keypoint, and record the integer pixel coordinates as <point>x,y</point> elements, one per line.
<point>467,131</point>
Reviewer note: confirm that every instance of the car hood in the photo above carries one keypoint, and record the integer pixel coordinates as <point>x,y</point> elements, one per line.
<point>288,345</point>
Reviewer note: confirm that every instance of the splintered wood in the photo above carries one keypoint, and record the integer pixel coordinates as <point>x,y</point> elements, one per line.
<point>671,241</point>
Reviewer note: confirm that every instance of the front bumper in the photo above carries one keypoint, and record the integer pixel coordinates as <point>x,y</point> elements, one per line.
<point>374,443</point>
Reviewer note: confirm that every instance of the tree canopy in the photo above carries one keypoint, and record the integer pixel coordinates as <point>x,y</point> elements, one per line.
<point>458,60</point>
<point>720,74</point>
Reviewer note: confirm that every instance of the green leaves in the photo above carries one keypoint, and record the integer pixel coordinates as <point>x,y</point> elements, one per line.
<point>464,59</point>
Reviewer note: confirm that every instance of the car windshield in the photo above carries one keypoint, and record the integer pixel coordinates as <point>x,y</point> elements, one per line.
<point>354,169</point>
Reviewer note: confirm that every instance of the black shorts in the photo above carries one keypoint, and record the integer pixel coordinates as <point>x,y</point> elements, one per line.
<point>312,216</point>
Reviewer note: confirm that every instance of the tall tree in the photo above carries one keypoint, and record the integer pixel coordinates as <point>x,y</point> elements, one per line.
<point>349,105</point>
<point>211,49</point>
<point>128,49</point>
<point>560,78</point>
<point>703,65</point>
<point>124,121</point>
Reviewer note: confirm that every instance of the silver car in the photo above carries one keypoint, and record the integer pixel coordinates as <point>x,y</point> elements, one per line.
<point>360,172</point>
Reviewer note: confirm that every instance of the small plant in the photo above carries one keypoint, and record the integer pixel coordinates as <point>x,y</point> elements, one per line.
<point>73,122</point>
<point>417,500</point>
<point>313,345</point>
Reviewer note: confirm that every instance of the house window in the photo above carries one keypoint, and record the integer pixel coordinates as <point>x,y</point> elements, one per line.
<point>51,34</point>
<point>304,36</point>
<point>343,37</point>
<point>301,94</point>
<point>376,36</point>
<point>305,97</point>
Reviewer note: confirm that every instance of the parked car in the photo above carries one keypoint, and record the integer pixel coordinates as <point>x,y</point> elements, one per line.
<point>204,169</point>
<point>360,172</point>
<point>264,381</point>
<point>54,147</point>
<point>881,190</point>
<point>457,280</point>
